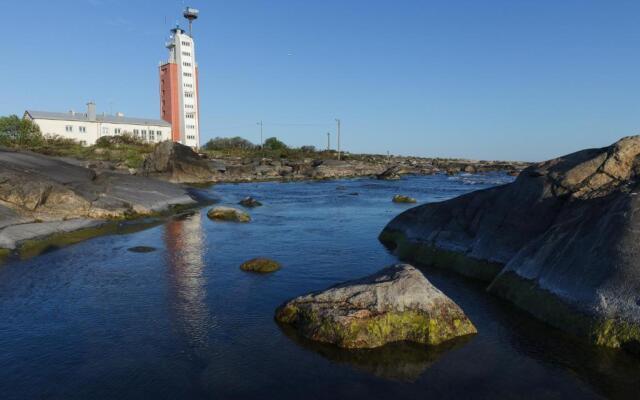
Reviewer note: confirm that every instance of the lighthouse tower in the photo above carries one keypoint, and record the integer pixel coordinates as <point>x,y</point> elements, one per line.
<point>179,96</point>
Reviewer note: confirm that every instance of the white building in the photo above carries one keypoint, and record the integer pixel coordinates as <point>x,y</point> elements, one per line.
<point>179,96</point>
<point>87,127</point>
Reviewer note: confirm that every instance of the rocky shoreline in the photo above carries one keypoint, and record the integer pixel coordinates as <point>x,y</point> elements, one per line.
<point>561,242</point>
<point>177,163</point>
<point>43,197</point>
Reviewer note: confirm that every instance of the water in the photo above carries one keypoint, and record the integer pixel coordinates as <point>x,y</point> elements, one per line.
<point>96,321</point>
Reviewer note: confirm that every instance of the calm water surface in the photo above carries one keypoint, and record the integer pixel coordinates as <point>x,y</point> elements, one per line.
<point>96,321</point>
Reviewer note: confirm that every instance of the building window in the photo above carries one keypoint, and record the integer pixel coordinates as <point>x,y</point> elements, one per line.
<point>82,129</point>
<point>105,130</point>
<point>116,131</point>
<point>144,134</point>
<point>188,85</point>
<point>159,135</point>
<point>188,106</point>
<point>188,94</point>
<point>83,143</point>
<point>190,115</point>
<point>152,136</point>
<point>68,128</point>
<point>187,74</point>
<point>136,132</point>
<point>186,64</point>
<point>187,44</point>
<point>186,54</point>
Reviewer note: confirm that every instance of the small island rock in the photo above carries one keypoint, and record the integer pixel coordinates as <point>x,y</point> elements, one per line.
<point>228,214</point>
<point>395,304</point>
<point>403,199</point>
<point>262,265</point>
<point>249,202</point>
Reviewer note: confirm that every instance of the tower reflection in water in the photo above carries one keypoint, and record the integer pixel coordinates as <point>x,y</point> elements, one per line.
<point>185,242</point>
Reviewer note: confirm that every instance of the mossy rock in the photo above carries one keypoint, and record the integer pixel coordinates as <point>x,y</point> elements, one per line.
<point>395,304</point>
<point>403,199</point>
<point>228,214</point>
<point>260,265</point>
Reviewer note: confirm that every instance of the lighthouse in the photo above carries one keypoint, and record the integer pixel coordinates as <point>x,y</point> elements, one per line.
<point>179,95</point>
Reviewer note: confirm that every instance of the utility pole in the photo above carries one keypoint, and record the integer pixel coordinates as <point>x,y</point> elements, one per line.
<point>328,141</point>
<point>261,141</point>
<point>338,122</point>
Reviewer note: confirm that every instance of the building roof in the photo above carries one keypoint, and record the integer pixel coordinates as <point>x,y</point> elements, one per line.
<point>82,117</point>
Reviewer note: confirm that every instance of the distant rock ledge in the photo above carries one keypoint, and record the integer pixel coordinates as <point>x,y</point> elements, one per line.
<point>562,242</point>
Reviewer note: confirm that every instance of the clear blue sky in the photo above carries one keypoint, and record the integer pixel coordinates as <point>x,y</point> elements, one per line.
<point>480,79</point>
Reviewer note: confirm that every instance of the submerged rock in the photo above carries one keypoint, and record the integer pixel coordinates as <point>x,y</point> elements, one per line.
<point>249,202</point>
<point>561,242</point>
<point>396,361</point>
<point>228,214</point>
<point>141,249</point>
<point>403,199</point>
<point>396,304</point>
<point>262,265</point>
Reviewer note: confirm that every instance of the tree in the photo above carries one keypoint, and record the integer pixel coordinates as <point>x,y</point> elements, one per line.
<point>19,131</point>
<point>274,144</point>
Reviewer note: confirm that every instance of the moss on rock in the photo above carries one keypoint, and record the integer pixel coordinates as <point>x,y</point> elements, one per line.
<point>396,304</point>
<point>228,214</point>
<point>544,305</point>
<point>261,265</point>
<point>426,254</point>
<point>403,199</point>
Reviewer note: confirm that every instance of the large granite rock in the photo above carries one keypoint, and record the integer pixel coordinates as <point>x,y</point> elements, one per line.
<point>179,163</point>
<point>395,304</point>
<point>41,195</point>
<point>561,242</point>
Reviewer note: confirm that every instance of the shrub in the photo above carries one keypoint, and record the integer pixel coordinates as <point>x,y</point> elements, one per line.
<point>274,144</point>
<point>233,143</point>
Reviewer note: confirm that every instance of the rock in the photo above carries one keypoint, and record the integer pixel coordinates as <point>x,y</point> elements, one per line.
<point>396,304</point>
<point>44,188</point>
<point>141,249</point>
<point>391,173</point>
<point>403,199</point>
<point>560,242</point>
<point>261,265</point>
<point>249,202</point>
<point>179,163</point>
<point>228,214</point>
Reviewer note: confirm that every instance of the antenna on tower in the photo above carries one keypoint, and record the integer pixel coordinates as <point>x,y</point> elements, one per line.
<point>191,14</point>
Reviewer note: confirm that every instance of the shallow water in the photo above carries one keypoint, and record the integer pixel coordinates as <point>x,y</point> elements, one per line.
<point>180,320</point>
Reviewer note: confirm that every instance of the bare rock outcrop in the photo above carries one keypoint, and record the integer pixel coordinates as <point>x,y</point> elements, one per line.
<point>179,163</point>
<point>396,304</point>
<point>37,189</point>
<point>561,242</point>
